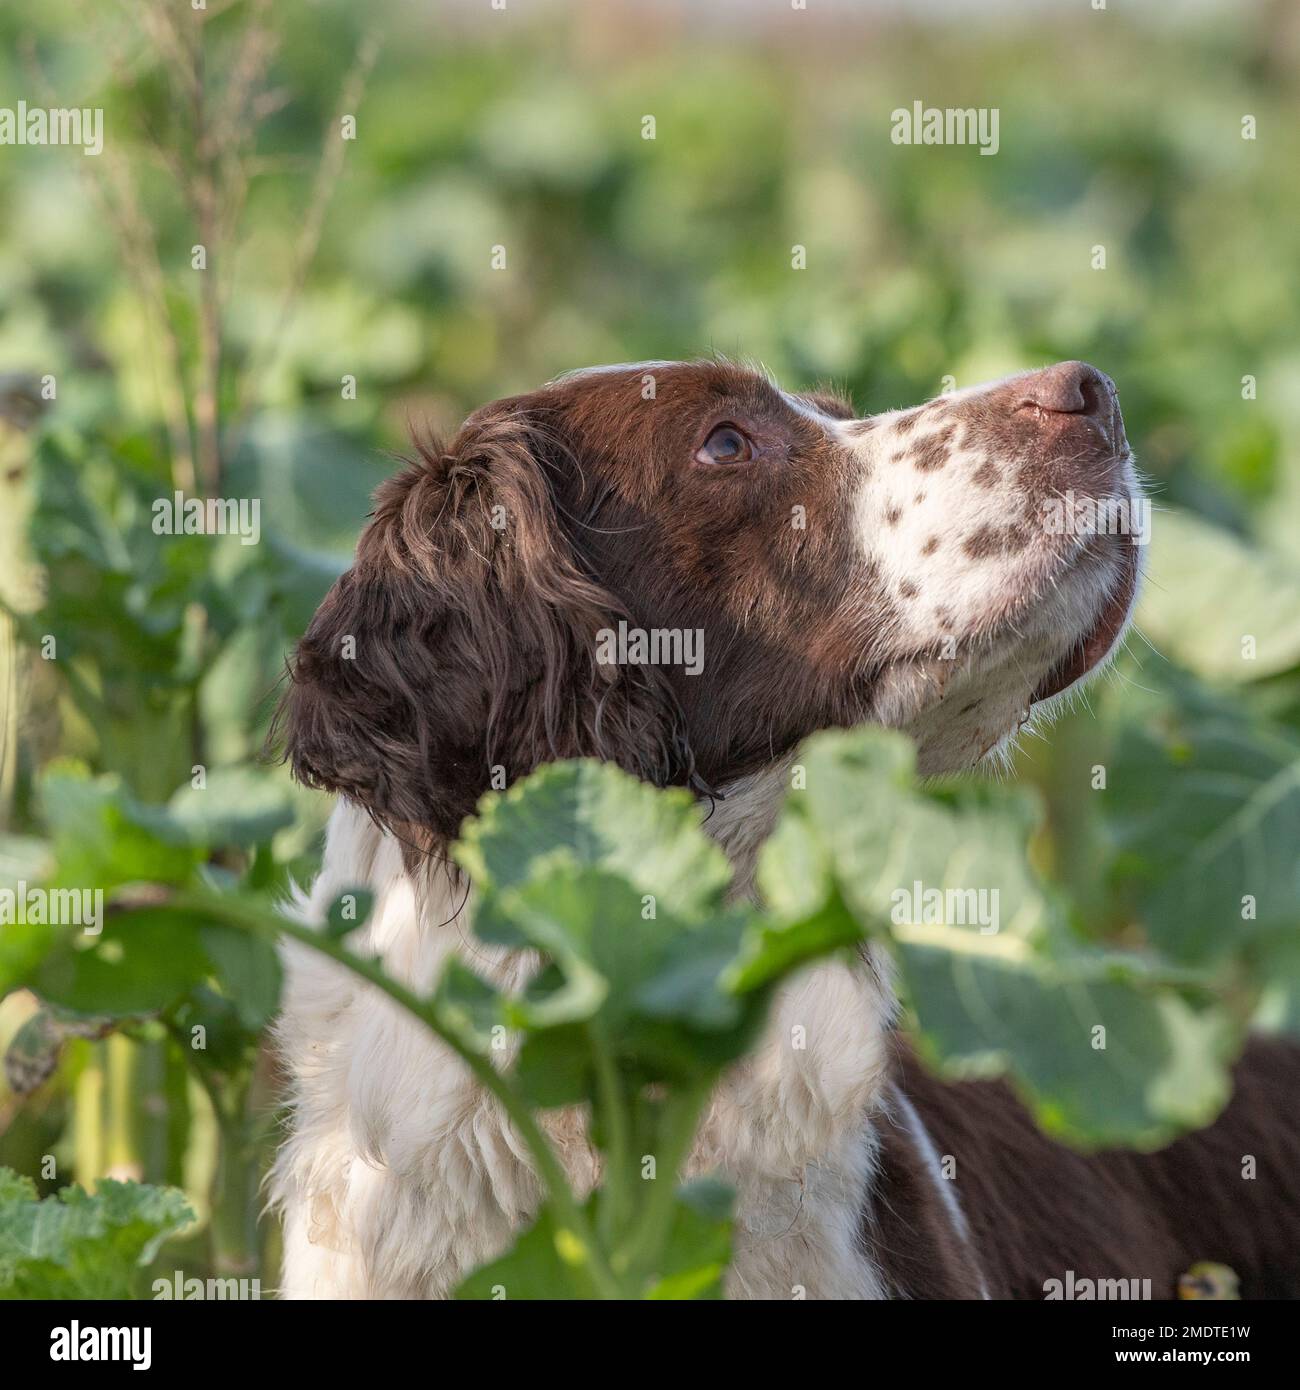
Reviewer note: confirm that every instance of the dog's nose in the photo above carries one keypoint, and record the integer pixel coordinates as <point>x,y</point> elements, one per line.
<point>1069,388</point>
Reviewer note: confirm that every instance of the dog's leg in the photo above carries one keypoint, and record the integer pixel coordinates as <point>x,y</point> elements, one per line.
<point>790,1128</point>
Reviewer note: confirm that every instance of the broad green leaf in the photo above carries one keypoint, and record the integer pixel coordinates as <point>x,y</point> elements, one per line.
<point>543,1263</point>
<point>692,980</point>
<point>349,911</point>
<point>546,1264</point>
<point>1013,992</point>
<point>1204,817</point>
<point>248,969</point>
<point>593,814</point>
<point>556,1067</point>
<point>75,1245</point>
<point>985,1005</point>
<point>650,987</point>
<point>1207,592</point>
<point>239,806</point>
<point>103,837</point>
<point>771,950</point>
<point>211,1027</point>
<point>891,845</point>
<point>468,1007</point>
<point>141,962</point>
<point>23,946</point>
<point>698,1250</point>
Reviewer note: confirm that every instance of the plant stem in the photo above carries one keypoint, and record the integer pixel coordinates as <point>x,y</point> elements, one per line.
<point>612,1201</point>
<point>680,1118</point>
<point>233,1200</point>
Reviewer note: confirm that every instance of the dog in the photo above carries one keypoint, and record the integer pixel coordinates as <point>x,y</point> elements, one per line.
<point>896,570</point>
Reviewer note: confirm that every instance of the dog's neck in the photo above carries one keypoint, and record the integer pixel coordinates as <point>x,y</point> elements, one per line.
<point>739,817</point>
<point>743,816</point>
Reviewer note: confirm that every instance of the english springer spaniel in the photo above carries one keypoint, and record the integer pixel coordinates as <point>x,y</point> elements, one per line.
<point>894,569</point>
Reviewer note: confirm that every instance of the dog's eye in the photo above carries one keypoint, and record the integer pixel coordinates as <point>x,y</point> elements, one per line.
<point>725,445</point>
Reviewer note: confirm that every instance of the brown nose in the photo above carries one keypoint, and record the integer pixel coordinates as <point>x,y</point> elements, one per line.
<point>1069,388</point>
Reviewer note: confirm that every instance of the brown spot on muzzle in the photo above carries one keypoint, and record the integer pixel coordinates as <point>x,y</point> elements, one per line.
<point>930,454</point>
<point>992,541</point>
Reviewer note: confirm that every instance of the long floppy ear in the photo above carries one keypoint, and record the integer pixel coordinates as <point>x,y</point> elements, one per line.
<point>459,651</point>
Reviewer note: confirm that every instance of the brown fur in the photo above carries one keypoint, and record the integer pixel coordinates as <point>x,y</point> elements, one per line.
<point>475,643</point>
<point>1037,1208</point>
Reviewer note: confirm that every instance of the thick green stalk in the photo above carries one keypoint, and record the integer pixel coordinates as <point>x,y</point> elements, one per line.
<point>615,1198</point>
<point>233,1202</point>
<point>678,1122</point>
<point>235,1197</point>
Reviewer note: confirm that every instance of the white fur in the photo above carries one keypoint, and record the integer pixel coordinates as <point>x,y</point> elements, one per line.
<point>1011,620</point>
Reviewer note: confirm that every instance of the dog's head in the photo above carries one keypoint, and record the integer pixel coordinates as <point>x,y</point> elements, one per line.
<point>684,569</point>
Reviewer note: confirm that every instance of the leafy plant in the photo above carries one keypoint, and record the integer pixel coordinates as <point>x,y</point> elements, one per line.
<point>651,982</point>
<point>79,1245</point>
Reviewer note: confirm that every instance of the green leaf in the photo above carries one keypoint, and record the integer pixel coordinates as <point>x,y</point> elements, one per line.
<point>650,986</point>
<point>239,806</point>
<point>23,946</point>
<point>350,910</point>
<point>103,837</point>
<point>1017,993</point>
<point>985,1006</point>
<point>1203,812</point>
<point>592,814</point>
<point>556,1067</point>
<point>771,950</point>
<point>248,970</point>
<point>698,1250</point>
<point>142,961</point>
<point>560,915</point>
<point>546,1264</point>
<point>861,817</point>
<point>1207,590</point>
<point>226,1044</point>
<point>543,1263</point>
<point>467,1006</point>
<point>690,983</point>
<point>75,1245</point>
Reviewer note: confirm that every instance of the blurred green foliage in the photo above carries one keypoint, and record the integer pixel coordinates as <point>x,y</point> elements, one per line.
<point>524,129</point>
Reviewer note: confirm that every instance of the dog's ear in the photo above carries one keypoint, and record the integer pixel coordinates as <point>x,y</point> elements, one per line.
<point>459,651</point>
